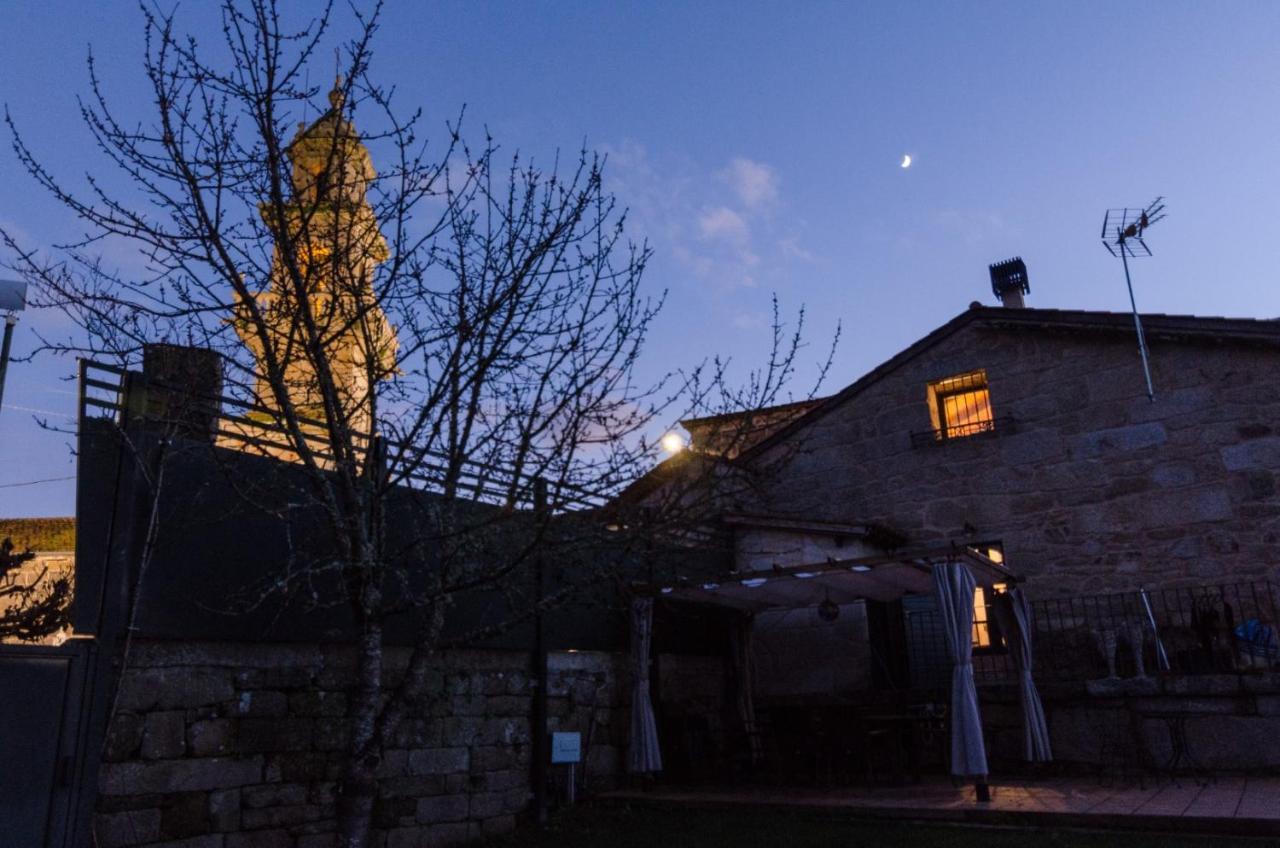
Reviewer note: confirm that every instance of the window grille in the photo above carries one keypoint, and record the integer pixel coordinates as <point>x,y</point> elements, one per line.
<point>962,405</point>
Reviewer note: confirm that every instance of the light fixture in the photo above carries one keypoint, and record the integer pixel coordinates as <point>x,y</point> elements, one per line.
<point>13,299</point>
<point>673,442</point>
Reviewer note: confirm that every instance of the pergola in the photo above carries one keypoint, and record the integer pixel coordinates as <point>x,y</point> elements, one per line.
<point>886,577</point>
<point>949,571</point>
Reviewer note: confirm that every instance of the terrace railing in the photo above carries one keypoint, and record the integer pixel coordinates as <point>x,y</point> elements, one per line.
<point>1217,628</point>
<point>238,424</point>
<point>1208,629</point>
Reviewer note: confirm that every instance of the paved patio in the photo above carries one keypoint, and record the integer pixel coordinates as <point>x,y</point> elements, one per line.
<point>1226,805</point>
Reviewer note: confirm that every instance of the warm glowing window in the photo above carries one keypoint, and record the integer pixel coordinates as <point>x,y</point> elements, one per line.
<point>986,633</point>
<point>961,406</point>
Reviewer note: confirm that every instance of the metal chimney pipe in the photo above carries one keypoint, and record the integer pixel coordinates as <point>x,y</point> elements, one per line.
<point>1009,282</point>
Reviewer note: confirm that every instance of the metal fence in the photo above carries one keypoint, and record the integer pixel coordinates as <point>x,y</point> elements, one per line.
<point>1218,628</point>
<point>248,427</point>
<point>1004,425</point>
<point>1210,629</point>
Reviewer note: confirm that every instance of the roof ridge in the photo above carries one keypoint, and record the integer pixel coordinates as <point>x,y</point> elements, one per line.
<point>1249,328</point>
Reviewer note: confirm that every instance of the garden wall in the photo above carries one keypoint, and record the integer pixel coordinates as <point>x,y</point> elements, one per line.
<point>1225,722</point>
<point>232,745</point>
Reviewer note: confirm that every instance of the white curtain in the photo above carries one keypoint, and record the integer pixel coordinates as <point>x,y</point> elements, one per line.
<point>1014,613</point>
<point>955,588</point>
<point>643,754</point>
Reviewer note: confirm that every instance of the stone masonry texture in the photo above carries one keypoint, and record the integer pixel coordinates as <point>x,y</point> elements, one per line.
<point>222,745</point>
<point>1089,486</point>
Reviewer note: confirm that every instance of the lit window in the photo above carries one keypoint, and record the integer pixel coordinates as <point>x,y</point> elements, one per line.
<point>961,406</point>
<point>986,631</point>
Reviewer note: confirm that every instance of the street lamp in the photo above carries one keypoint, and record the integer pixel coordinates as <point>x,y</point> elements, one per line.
<point>13,299</point>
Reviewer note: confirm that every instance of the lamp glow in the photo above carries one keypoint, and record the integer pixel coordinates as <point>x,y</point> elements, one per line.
<point>673,443</point>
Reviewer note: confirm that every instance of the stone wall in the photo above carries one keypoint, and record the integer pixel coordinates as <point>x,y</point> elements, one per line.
<point>40,571</point>
<point>1127,726</point>
<point>219,745</point>
<point>1089,486</point>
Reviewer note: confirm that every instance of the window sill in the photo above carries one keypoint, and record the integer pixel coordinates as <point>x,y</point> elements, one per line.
<point>934,438</point>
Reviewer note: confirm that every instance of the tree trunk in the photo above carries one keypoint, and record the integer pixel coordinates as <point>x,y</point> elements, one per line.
<point>359,785</point>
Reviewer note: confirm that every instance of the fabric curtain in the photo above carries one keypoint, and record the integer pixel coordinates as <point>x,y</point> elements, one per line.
<point>1013,611</point>
<point>955,589</point>
<point>744,697</point>
<point>643,754</point>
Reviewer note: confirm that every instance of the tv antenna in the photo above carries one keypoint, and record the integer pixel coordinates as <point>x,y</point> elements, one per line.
<point>1124,234</point>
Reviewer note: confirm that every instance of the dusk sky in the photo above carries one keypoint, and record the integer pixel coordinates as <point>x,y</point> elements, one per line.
<point>758,147</point>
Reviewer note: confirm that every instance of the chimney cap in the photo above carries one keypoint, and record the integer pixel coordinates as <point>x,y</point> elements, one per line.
<point>1009,276</point>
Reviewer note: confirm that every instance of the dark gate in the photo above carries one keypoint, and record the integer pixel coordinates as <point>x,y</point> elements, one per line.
<point>43,690</point>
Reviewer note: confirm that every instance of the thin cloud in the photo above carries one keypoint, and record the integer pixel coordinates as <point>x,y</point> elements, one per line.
<point>718,223</point>
<point>754,183</point>
<point>721,222</point>
<point>975,226</point>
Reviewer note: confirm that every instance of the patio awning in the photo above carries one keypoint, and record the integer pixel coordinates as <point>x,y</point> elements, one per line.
<point>880,578</point>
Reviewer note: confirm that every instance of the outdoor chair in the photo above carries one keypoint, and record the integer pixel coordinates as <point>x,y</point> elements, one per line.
<point>930,735</point>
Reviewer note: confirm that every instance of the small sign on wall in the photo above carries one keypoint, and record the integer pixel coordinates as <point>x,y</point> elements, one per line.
<point>566,747</point>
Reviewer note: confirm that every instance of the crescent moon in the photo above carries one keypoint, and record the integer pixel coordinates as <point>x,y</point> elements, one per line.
<point>906,160</point>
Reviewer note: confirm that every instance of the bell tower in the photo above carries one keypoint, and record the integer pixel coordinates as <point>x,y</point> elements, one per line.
<point>320,306</point>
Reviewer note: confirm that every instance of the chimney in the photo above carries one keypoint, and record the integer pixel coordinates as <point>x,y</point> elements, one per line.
<point>184,385</point>
<point>1009,282</point>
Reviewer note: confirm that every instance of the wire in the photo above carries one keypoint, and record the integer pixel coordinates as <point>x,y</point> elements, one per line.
<point>41,411</point>
<point>34,482</point>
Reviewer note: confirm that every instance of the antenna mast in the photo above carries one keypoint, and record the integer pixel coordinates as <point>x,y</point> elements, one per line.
<point>1124,235</point>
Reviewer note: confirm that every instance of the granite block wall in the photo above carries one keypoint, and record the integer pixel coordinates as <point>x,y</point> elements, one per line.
<point>221,745</point>
<point>40,571</point>
<point>1131,726</point>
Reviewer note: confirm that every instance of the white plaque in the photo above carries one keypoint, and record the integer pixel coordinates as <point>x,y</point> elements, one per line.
<point>566,747</point>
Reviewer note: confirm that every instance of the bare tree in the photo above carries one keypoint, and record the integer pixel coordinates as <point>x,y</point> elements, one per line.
<point>460,322</point>
<point>33,607</point>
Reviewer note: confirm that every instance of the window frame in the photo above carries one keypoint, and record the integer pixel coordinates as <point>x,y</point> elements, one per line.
<point>965,383</point>
<point>996,642</point>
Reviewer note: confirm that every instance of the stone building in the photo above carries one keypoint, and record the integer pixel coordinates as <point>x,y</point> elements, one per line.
<point>1027,435</point>
<point>1029,432</point>
<point>53,542</point>
<point>327,249</point>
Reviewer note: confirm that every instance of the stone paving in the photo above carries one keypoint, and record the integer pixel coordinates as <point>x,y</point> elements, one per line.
<point>1226,804</point>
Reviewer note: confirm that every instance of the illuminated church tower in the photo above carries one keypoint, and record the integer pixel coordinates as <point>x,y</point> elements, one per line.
<point>327,231</point>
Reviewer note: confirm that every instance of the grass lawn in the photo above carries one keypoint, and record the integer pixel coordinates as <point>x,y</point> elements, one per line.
<point>654,827</point>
